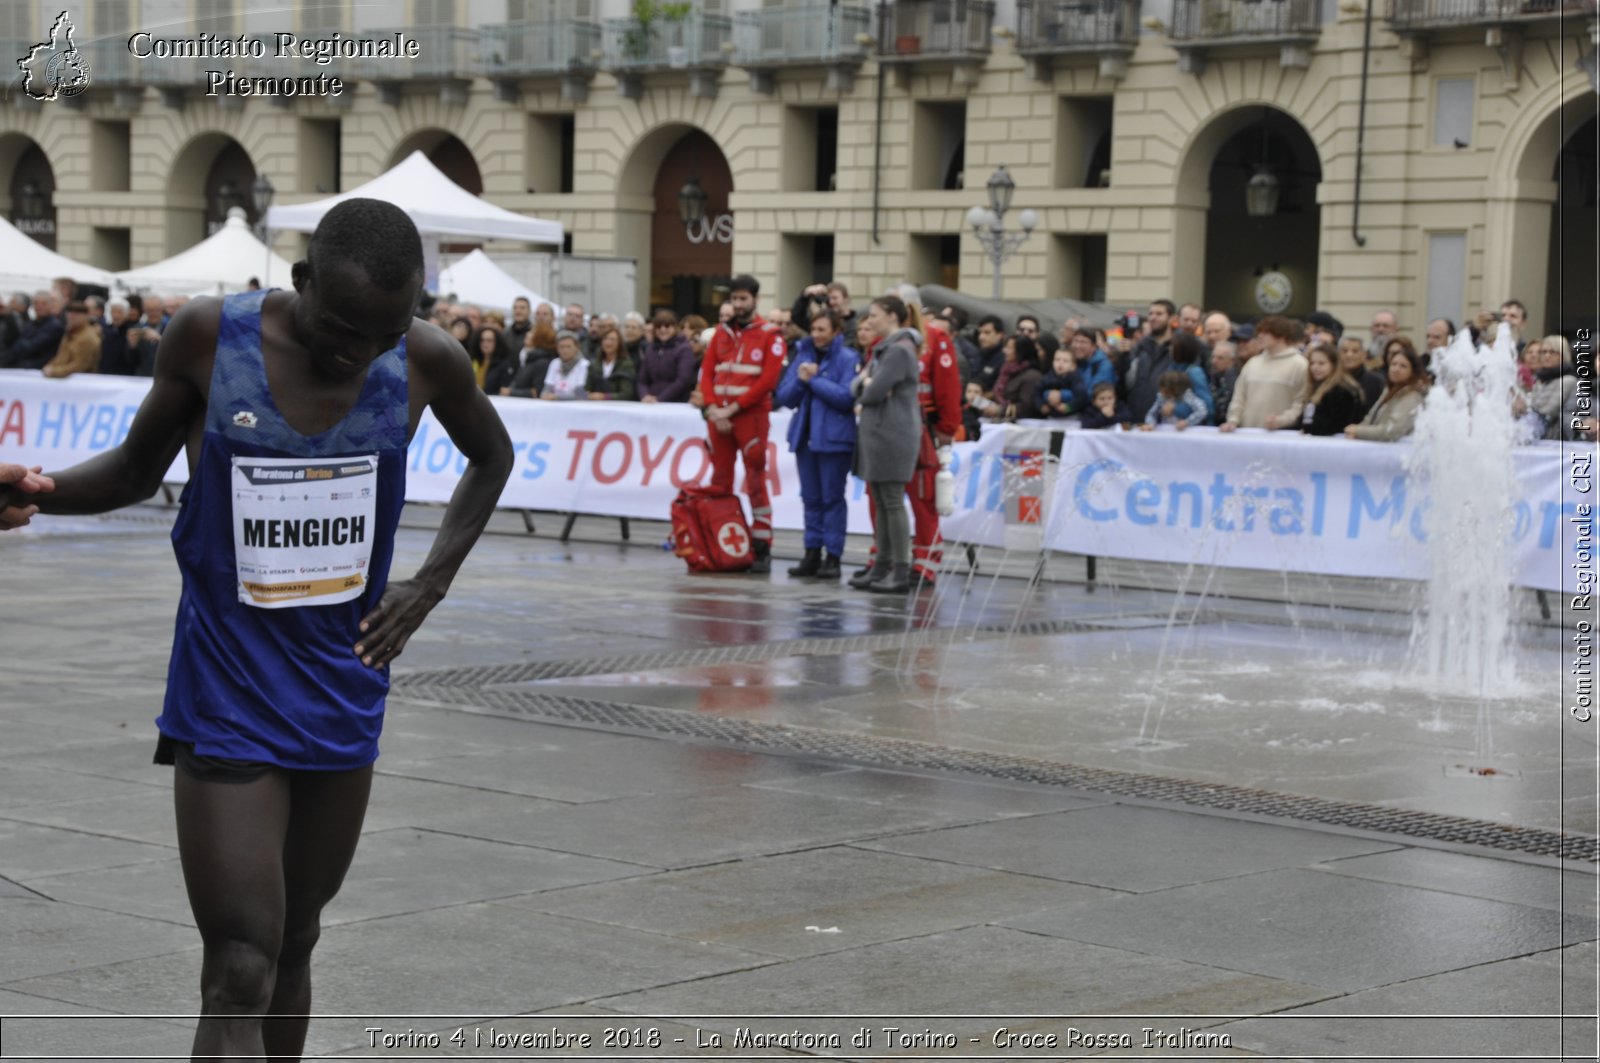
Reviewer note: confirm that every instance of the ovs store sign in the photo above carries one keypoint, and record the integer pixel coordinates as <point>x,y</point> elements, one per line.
<point>718,230</point>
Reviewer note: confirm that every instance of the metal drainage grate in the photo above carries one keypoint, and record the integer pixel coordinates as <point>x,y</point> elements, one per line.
<point>902,753</point>
<point>534,671</point>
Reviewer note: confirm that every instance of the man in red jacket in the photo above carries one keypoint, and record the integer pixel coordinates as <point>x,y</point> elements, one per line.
<point>939,389</point>
<point>742,365</point>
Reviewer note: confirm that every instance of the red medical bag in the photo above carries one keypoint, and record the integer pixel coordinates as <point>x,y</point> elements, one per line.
<point>709,531</point>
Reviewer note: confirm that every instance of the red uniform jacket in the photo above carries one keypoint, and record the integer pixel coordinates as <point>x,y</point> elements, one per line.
<point>939,385</point>
<point>743,366</point>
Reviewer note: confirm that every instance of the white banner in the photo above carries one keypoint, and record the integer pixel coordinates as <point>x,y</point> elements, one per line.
<point>1275,501</point>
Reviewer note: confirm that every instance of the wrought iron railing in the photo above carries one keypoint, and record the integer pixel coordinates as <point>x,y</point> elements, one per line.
<point>442,52</point>
<point>1211,19</point>
<point>695,40</point>
<point>800,33</point>
<point>110,62</point>
<point>1417,14</point>
<point>1076,25</point>
<point>512,49</point>
<point>936,28</point>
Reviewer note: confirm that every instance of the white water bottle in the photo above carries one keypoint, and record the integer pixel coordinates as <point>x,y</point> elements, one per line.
<point>944,485</point>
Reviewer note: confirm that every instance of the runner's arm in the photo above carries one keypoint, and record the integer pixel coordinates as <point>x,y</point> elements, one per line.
<point>131,471</point>
<point>451,391</point>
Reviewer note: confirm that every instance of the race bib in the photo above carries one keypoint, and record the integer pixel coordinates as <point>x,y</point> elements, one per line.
<point>303,529</point>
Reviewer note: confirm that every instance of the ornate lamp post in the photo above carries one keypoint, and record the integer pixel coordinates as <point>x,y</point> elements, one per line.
<point>261,193</point>
<point>1261,194</point>
<point>989,225</point>
<point>691,203</point>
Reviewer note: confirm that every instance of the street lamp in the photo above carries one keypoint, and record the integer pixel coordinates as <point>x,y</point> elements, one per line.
<point>261,193</point>
<point>691,202</point>
<point>1261,194</point>
<point>226,198</point>
<point>30,202</point>
<point>989,223</point>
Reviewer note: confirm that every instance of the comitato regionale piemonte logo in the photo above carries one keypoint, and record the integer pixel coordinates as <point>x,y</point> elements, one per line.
<point>55,68</point>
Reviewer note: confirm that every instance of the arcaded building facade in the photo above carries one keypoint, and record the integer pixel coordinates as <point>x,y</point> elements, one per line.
<point>1430,156</point>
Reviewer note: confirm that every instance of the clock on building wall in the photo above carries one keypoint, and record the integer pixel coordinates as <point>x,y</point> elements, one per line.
<point>1274,292</point>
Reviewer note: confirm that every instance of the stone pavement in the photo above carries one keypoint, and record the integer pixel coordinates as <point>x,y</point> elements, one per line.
<point>620,803</point>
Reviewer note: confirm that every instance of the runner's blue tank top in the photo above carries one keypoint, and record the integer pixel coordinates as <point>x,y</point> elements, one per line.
<point>283,685</point>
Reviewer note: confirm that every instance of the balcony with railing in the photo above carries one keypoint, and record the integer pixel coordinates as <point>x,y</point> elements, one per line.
<point>533,49</point>
<point>443,53</point>
<point>1056,27</point>
<point>111,65</point>
<point>1104,29</point>
<point>836,37</point>
<point>1503,23</point>
<point>1411,16</point>
<point>698,44</point>
<point>1244,20</point>
<point>951,31</point>
<point>1202,26</point>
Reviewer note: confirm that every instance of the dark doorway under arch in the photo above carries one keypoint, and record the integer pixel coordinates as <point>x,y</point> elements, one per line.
<point>32,203</point>
<point>1241,249</point>
<point>690,265</point>
<point>1571,289</point>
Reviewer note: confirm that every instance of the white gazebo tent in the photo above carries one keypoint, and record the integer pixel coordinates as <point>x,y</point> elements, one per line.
<point>438,206</point>
<point>476,278</point>
<point>222,262</point>
<point>27,265</point>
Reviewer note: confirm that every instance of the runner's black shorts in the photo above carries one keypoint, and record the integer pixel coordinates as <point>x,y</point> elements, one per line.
<point>208,769</point>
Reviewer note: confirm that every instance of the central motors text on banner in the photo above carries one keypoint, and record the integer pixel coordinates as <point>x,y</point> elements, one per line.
<point>1274,501</point>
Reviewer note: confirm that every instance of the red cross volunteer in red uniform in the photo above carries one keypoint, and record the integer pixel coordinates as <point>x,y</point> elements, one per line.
<point>741,368</point>
<point>939,390</point>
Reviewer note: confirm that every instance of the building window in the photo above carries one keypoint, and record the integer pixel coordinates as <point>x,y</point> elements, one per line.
<point>433,12</point>
<point>1076,267</point>
<point>110,17</point>
<point>1083,142</point>
<point>804,259</point>
<point>938,144</point>
<point>934,258</point>
<point>215,16</point>
<point>319,155</point>
<point>110,156</point>
<point>1447,276</point>
<point>1452,113</point>
<point>111,248</point>
<point>547,153</point>
<point>810,149</point>
<point>321,16</point>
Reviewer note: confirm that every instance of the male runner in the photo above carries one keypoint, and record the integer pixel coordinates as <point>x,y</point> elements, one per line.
<point>296,409</point>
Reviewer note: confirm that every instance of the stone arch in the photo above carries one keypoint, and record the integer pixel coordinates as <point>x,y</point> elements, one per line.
<point>1197,247</point>
<point>1518,241</point>
<point>645,214</point>
<point>208,161</point>
<point>446,151</point>
<point>26,165</point>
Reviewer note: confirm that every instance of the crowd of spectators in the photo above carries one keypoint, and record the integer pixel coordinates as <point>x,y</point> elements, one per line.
<point>1177,366</point>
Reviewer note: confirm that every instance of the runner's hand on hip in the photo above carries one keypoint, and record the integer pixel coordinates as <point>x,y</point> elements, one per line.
<point>386,630</point>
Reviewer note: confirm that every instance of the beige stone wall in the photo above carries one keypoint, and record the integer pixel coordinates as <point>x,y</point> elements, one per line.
<point>1167,128</point>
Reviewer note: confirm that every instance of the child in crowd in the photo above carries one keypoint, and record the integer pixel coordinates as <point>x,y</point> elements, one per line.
<point>1105,411</point>
<point>1061,390</point>
<point>1176,404</point>
<point>973,408</point>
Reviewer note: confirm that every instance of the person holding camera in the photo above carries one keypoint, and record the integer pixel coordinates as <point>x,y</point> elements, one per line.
<point>817,298</point>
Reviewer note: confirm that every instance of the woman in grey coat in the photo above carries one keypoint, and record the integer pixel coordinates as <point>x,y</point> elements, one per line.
<point>888,441</point>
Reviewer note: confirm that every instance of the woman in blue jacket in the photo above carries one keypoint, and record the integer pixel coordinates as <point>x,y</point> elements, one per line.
<point>823,437</point>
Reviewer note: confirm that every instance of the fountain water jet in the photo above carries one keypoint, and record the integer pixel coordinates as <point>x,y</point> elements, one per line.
<point>1460,460</point>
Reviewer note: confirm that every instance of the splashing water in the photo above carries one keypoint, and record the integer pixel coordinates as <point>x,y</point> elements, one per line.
<point>1461,461</point>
